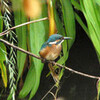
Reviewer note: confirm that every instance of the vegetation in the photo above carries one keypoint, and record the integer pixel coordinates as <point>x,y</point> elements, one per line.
<point>61,19</point>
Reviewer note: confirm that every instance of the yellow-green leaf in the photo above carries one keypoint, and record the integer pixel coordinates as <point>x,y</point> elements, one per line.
<point>3,73</point>
<point>98,90</point>
<point>2,66</point>
<point>1,22</point>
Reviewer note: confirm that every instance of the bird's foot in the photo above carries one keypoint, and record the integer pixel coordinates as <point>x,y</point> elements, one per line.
<point>52,62</point>
<point>43,60</point>
<point>48,61</point>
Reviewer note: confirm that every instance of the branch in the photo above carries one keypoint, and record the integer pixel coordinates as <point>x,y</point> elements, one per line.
<point>77,72</point>
<point>12,28</point>
<point>48,92</point>
<point>20,49</point>
<point>33,55</point>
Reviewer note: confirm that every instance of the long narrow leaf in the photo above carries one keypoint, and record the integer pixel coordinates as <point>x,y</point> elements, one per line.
<point>61,30</point>
<point>28,84</point>
<point>3,73</point>
<point>69,20</point>
<point>92,15</point>
<point>92,22</point>
<point>37,37</point>
<point>2,66</point>
<point>2,55</point>
<point>1,22</point>
<point>22,40</point>
<point>98,90</point>
<point>81,23</point>
<point>76,4</point>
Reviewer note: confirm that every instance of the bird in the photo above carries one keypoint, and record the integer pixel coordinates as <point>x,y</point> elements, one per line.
<point>51,49</point>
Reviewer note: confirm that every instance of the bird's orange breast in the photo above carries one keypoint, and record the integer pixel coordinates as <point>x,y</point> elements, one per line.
<point>50,52</point>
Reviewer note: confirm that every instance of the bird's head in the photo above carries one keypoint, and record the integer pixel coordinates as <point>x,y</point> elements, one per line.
<point>57,39</point>
<point>54,39</point>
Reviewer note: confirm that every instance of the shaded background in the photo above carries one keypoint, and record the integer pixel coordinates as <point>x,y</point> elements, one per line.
<point>83,58</point>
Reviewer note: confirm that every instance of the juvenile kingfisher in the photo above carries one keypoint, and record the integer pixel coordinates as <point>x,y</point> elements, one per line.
<point>51,49</point>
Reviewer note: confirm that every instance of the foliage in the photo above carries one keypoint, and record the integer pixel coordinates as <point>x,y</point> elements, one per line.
<point>69,26</point>
<point>11,55</point>
<point>22,34</point>
<point>3,56</point>
<point>90,9</point>
<point>36,34</point>
<point>31,37</point>
<point>98,90</point>
<point>2,66</point>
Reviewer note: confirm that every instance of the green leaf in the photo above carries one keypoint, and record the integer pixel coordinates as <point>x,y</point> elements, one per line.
<point>76,4</point>
<point>65,54</point>
<point>35,86</point>
<point>2,52</point>
<point>91,14</point>
<point>46,22</point>
<point>19,18</point>
<point>22,40</point>
<point>1,22</point>
<point>37,38</point>
<point>59,24</point>
<point>61,30</point>
<point>38,33</point>
<point>2,66</point>
<point>97,1</point>
<point>69,20</point>
<point>98,90</point>
<point>29,81</point>
<point>79,20</point>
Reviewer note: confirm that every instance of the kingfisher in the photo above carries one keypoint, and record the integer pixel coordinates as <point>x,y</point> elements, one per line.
<point>51,49</point>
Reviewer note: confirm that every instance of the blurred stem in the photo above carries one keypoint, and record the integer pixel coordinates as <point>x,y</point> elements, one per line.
<point>52,24</point>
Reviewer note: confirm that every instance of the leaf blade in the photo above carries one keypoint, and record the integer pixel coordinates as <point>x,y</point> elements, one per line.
<point>2,66</point>
<point>69,20</point>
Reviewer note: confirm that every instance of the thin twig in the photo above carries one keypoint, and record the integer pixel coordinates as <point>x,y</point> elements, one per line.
<point>20,49</point>
<point>53,95</point>
<point>77,72</point>
<point>12,28</point>
<point>56,93</point>
<point>67,68</point>
<point>48,92</point>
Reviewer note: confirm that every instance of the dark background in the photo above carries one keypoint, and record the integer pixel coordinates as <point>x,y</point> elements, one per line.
<point>83,58</point>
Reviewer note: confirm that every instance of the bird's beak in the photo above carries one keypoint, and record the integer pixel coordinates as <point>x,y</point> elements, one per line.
<point>67,38</point>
